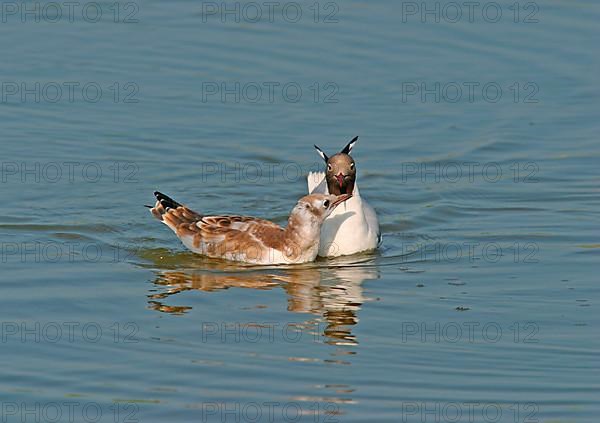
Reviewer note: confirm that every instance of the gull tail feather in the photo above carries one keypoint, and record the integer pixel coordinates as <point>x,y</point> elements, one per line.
<point>173,214</point>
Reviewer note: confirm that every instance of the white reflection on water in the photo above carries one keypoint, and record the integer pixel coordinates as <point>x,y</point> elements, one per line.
<point>333,293</point>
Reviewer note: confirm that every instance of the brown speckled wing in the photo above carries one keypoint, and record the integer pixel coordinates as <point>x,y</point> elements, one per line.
<point>232,237</point>
<point>236,237</point>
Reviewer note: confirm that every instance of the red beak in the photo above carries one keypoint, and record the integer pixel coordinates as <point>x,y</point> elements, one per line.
<point>340,200</point>
<point>340,178</point>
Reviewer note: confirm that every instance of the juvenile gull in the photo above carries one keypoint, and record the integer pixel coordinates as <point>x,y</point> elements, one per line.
<point>354,227</point>
<point>250,239</point>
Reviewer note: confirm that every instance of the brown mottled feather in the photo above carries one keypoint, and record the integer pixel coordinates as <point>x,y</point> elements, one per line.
<point>250,239</point>
<point>216,235</point>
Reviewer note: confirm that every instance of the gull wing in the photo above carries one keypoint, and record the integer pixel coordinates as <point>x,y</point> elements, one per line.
<point>316,183</point>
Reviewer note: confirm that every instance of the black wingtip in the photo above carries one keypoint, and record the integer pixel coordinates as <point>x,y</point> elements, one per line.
<point>166,201</point>
<point>348,148</point>
<point>321,153</point>
<point>160,196</point>
<point>150,207</point>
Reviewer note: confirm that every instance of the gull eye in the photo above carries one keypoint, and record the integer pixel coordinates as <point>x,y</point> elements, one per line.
<point>326,203</point>
<point>329,167</point>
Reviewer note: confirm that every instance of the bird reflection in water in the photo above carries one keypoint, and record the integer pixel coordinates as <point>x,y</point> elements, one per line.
<point>333,292</point>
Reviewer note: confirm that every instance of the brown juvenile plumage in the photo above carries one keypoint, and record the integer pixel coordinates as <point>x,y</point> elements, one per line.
<point>250,239</point>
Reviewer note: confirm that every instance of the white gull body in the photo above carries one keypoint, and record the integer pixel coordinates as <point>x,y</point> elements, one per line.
<point>351,228</point>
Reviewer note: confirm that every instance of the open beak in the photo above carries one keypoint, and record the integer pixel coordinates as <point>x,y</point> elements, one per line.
<point>340,178</point>
<point>339,200</point>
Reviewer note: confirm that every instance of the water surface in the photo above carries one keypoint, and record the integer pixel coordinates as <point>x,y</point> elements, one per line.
<point>480,298</point>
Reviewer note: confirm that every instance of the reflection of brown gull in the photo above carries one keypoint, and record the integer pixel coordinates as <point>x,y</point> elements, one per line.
<point>334,293</point>
<point>185,281</point>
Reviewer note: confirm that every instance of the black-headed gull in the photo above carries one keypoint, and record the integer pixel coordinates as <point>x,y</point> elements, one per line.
<point>249,239</point>
<point>354,227</point>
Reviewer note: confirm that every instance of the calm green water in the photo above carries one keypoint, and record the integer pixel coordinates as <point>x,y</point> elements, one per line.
<point>479,149</point>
